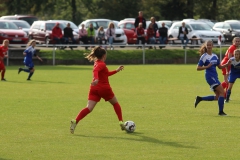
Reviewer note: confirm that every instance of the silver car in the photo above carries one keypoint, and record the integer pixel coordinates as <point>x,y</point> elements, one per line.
<point>196,29</point>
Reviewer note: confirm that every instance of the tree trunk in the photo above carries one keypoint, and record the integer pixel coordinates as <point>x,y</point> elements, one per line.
<point>74,11</point>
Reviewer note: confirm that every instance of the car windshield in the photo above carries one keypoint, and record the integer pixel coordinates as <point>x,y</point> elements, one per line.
<point>7,25</point>
<point>30,20</point>
<point>22,24</point>
<point>235,25</point>
<point>199,26</point>
<point>49,26</point>
<point>104,24</point>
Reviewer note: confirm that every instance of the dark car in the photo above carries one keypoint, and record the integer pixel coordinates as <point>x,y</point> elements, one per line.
<point>229,29</point>
<point>28,18</point>
<point>41,31</point>
<point>8,30</point>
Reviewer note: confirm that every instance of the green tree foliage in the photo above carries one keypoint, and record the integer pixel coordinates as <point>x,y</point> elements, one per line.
<point>79,10</point>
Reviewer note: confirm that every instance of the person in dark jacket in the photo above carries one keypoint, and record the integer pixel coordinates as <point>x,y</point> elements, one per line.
<point>140,19</point>
<point>163,34</point>
<point>68,35</point>
<point>182,34</point>
<point>155,25</point>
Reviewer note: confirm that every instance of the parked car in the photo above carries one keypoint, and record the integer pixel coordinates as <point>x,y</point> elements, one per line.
<point>72,25</point>
<point>120,38</point>
<point>196,30</point>
<point>41,31</point>
<point>8,30</point>
<point>21,24</point>
<point>229,29</point>
<point>29,18</point>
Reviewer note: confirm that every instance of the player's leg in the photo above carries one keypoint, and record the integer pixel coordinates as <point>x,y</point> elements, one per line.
<point>3,73</point>
<point>30,73</point>
<point>229,90</point>
<point>84,112</point>
<point>219,91</point>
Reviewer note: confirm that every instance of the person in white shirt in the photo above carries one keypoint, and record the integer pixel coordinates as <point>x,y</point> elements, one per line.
<point>182,34</point>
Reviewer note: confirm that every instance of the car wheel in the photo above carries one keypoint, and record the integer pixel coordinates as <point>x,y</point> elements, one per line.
<point>194,42</point>
<point>122,46</point>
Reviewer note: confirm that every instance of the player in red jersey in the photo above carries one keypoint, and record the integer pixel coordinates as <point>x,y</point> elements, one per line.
<point>100,87</point>
<point>228,55</point>
<point>3,54</point>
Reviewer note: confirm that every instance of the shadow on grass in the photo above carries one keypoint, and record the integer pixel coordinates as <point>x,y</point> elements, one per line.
<point>33,82</point>
<point>145,139</point>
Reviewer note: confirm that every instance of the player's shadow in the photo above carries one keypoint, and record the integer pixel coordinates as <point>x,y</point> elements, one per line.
<point>144,138</point>
<point>35,81</point>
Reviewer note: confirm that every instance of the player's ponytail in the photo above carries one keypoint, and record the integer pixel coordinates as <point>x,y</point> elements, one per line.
<point>96,53</point>
<point>30,42</point>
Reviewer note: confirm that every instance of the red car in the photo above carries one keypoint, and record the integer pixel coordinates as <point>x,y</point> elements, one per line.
<point>129,29</point>
<point>8,30</point>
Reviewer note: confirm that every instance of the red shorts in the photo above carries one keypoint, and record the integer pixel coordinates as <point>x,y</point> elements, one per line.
<point>97,94</point>
<point>224,70</point>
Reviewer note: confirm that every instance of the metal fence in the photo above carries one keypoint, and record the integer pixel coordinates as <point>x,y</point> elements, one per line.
<point>143,47</point>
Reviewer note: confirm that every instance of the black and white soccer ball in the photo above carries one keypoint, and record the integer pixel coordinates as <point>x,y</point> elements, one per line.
<point>130,126</point>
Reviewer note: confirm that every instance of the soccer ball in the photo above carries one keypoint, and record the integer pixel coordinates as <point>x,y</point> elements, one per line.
<point>130,126</point>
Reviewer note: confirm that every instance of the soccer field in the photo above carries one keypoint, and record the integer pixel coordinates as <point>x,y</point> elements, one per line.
<point>35,116</point>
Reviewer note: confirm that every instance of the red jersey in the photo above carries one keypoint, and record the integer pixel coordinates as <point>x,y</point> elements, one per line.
<point>100,72</point>
<point>228,53</point>
<point>3,51</point>
<point>140,31</point>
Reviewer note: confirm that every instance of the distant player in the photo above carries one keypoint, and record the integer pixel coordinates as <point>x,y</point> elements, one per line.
<point>29,53</point>
<point>228,55</point>
<point>100,87</point>
<point>208,62</point>
<point>3,54</point>
<point>234,72</point>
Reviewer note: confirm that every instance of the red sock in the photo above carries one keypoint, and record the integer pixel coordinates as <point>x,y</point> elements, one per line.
<point>118,111</point>
<point>82,114</point>
<point>3,72</point>
<point>224,85</point>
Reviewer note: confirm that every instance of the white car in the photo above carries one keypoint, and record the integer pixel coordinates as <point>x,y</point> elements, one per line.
<point>120,38</point>
<point>196,29</point>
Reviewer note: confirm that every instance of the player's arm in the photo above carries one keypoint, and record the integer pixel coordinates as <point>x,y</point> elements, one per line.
<point>201,67</point>
<point>225,65</point>
<point>120,68</point>
<point>35,54</point>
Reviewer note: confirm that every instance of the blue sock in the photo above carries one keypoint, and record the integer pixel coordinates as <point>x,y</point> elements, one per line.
<point>26,70</point>
<point>221,103</point>
<point>208,98</point>
<point>228,95</point>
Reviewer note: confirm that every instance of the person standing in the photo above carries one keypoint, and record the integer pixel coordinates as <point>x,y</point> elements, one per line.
<point>100,87</point>
<point>154,26</point>
<point>228,55</point>
<point>29,53</point>
<point>182,34</point>
<point>208,62</point>
<point>140,19</point>
<point>3,54</point>
<point>234,72</point>
<point>163,34</point>
<point>110,33</point>
<point>68,35</point>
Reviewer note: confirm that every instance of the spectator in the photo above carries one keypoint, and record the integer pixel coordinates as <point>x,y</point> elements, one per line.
<point>101,36</point>
<point>163,34</point>
<point>151,35</point>
<point>155,26</point>
<point>110,33</point>
<point>68,35</point>
<point>182,34</point>
<point>57,35</point>
<point>140,35</point>
<point>91,34</point>
<point>140,19</point>
<point>83,35</point>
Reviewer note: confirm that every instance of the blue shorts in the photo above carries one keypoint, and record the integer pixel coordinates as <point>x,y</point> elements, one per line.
<point>213,82</point>
<point>232,77</point>
<point>29,64</point>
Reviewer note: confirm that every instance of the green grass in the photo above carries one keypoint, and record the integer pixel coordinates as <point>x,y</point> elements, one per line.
<point>35,116</point>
